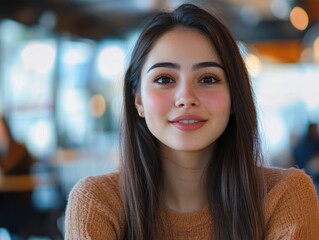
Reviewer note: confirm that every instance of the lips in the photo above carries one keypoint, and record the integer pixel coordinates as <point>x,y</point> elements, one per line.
<point>188,122</point>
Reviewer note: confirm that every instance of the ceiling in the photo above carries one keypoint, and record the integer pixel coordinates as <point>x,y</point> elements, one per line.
<point>98,19</point>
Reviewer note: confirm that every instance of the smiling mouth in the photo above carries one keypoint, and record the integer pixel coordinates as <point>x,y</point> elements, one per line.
<point>187,121</point>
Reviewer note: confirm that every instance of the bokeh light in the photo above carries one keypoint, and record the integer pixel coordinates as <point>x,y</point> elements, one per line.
<point>299,18</point>
<point>97,105</point>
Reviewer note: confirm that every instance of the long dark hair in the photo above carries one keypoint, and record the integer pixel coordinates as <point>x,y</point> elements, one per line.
<point>234,184</point>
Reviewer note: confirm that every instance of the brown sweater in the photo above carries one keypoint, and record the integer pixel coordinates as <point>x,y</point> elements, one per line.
<point>95,211</point>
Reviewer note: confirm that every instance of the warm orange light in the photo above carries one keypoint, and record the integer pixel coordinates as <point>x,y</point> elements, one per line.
<point>316,49</point>
<point>97,105</point>
<point>299,18</point>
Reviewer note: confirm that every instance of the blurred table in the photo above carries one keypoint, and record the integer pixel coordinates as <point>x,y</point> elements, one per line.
<point>17,183</point>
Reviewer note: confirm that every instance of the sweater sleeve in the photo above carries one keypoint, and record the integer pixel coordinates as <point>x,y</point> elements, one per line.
<point>292,210</point>
<point>93,211</point>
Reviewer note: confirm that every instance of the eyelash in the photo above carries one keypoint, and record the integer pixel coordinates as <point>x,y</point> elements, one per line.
<point>159,79</point>
<point>215,79</point>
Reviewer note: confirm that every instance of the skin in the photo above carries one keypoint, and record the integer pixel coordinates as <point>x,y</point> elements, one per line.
<point>181,80</point>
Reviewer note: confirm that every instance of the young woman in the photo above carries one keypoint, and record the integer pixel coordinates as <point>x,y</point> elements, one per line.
<point>190,158</point>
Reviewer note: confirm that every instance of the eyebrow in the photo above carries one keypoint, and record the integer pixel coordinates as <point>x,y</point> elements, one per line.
<point>207,64</point>
<point>164,65</point>
<point>177,66</point>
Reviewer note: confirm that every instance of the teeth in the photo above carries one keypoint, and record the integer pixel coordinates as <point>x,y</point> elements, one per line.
<point>188,121</point>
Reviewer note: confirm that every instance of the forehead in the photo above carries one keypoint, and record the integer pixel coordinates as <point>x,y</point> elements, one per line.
<point>184,45</point>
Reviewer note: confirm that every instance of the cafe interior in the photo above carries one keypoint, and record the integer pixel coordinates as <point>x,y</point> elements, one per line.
<point>61,72</point>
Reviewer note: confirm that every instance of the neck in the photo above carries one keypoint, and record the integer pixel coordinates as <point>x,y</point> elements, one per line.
<point>184,183</point>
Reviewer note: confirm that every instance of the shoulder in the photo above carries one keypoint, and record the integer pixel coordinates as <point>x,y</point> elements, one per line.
<point>280,179</point>
<point>289,182</point>
<point>98,194</point>
<point>100,189</point>
<point>98,184</point>
<point>291,204</point>
<point>94,209</point>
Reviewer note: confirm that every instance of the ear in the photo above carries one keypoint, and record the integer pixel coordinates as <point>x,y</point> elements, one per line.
<point>138,104</point>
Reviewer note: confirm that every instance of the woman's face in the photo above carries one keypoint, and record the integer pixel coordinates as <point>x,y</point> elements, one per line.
<point>184,95</point>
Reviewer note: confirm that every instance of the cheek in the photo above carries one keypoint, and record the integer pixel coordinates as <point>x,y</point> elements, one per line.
<point>219,101</point>
<point>155,102</point>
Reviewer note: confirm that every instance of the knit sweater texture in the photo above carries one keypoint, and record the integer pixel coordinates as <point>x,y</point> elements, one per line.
<point>95,211</point>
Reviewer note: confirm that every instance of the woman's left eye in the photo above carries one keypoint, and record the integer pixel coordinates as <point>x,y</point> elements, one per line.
<point>209,80</point>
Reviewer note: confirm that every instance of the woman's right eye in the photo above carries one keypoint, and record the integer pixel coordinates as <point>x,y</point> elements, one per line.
<point>164,80</point>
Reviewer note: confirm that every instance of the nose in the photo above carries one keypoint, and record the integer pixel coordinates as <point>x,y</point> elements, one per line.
<point>186,96</point>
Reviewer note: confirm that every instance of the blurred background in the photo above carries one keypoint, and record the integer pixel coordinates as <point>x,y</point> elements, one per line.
<point>61,70</point>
